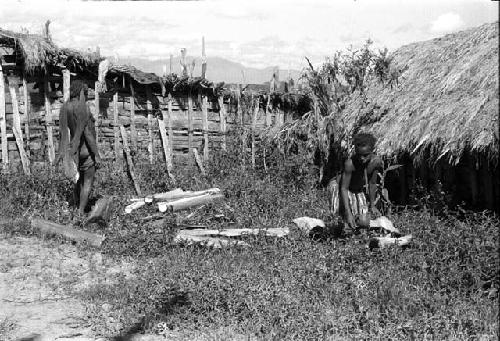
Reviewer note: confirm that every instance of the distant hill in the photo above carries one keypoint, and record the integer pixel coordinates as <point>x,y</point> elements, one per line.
<point>218,69</point>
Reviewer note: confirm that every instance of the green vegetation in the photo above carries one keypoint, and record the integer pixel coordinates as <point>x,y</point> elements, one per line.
<point>295,288</point>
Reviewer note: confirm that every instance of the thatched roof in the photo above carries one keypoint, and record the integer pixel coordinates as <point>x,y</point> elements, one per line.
<point>35,53</point>
<point>446,102</point>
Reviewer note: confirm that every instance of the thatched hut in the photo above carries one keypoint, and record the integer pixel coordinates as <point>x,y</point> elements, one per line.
<point>440,117</point>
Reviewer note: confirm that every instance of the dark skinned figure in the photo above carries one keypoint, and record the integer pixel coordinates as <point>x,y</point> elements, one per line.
<point>77,143</point>
<point>354,194</point>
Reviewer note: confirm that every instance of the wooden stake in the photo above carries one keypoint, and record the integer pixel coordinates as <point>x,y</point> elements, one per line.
<point>268,111</point>
<point>222,115</point>
<point>149,108</point>
<point>130,162</point>
<point>97,109</point>
<point>205,127</point>
<point>133,131</point>
<point>116,129</point>
<point>190,124</point>
<point>166,146</point>
<point>169,125</point>
<point>203,58</point>
<point>16,128</point>
<point>198,161</point>
<point>3,123</point>
<point>27,114</point>
<point>48,120</point>
<point>66,84</point>
<point>254,123</point>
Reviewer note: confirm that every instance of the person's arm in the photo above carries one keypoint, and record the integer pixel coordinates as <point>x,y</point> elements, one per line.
<point>90,138</point>
<point>63,134</point>
<point>344,192</point>
<point>373,185</point>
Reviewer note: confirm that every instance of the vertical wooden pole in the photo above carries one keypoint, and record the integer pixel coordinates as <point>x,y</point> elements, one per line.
<point>66,84</point>
<point>133,131</point>
<point>129,160</point>
<point>149,108</point>
<point>3,123</point>
<point>268,111</point>
<point>171,59</point>
<point>222,117</point>
<point>254,122</point>
<point>244,132</point>
<point>184,70</point>
<point>48,120</point>
<point>205,127</point>
<point>97,109</point>
<point>203,58</point>
<point>116,129</point>
<point>165,141</point>
<point>190,124</point>
<point>16,129</point>
<point>27,110</point>
<point>169,126</point>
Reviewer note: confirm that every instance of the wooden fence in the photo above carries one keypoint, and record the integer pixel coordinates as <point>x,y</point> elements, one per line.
<point>158,129</point>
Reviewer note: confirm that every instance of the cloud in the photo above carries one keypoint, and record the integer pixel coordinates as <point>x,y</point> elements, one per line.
<point>447,22</point>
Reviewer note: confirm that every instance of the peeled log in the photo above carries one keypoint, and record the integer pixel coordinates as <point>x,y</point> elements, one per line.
<point>186,203</point>
<point>381,242</point>
<point>271,232</point>
<point>67,231</point>
<point>180,194</point>
<point>207,241</point>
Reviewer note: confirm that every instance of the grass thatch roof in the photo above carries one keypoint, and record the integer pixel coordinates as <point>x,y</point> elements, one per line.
<point>36,53</point>
<point>446,102</point>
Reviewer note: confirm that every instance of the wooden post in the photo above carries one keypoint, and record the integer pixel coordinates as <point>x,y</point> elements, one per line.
<point>222,116</point>
<point>149,108</point>
<point>66,84</point>
<point>203,58</point>
<point>26,114</point>
<point>3,123</point>
<point>16,128</point>
<point>198,161</point>
<point>205,127</point>
<point>190,124</point>
<point>254,122</point>
<point>48,120</point>
<point>268,111</point>
<point>184,70</point>
<point>169,126</point>
<point>165,141</point>
<point>171,59</point>
<point>133,131</point>
<point>97,109</point>
<point>130,162</point>
<point>116,129</point>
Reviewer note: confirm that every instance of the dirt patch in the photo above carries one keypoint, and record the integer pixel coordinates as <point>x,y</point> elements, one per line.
<point>37,278</point>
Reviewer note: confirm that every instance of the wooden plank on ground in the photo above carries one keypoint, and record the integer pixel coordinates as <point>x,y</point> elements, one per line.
<point>16,128</point>
<point>67,231</point>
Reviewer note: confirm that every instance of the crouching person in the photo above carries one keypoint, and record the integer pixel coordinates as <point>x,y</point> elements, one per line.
<point>353,194</point>
<point>77,144</point>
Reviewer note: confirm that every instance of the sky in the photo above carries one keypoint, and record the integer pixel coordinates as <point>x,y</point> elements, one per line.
<point>256,33</point>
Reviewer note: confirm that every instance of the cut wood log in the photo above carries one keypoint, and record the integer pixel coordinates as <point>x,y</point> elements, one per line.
<point>384,223</point>
<point>271,232</point>
<point>382,242</point>
<point>186,203</point>
<point>134,206</point>
<point>207,241</point>
<point>306,224</point>
<point>101,211</point>
<point>67,231</point>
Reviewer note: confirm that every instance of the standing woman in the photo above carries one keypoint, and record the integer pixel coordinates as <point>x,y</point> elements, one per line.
<point>78,149</point>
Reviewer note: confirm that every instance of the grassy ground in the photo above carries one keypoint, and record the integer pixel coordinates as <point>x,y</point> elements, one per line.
<point>442,287</point>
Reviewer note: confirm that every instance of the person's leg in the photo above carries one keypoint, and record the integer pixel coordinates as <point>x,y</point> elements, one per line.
<point>88,182</point>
